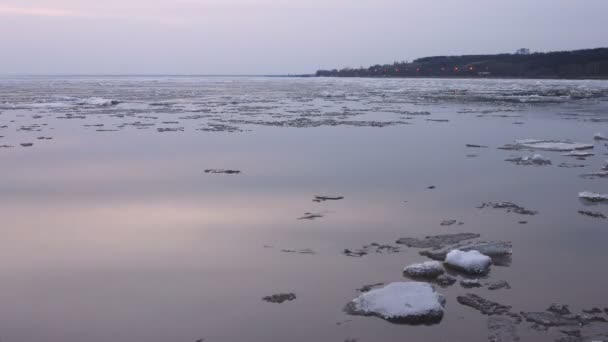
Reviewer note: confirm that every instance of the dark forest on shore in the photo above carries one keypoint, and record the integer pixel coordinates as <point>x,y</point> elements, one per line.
<point>588,63</point>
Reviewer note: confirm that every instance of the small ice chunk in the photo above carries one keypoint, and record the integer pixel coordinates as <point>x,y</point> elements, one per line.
<point>536,159</point>
<point>553,145</point>
<point>470,283</point>
<point>599,136</point>
<point>427,269</point>
<point>400,302</point>
<point>593,196</point>
<point>470,262</point>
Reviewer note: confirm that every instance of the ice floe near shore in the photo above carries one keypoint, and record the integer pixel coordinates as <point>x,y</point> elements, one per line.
<point>401,302</point>
<point>471,262</point>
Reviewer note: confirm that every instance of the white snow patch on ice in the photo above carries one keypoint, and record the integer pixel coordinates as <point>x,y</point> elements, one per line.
<point>470,262</point>
<point>401,300</point>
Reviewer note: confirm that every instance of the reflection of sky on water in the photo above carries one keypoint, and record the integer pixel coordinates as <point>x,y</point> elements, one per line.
<point>121,236</point>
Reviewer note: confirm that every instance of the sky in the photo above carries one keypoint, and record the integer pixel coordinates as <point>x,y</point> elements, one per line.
<point>278,36</point>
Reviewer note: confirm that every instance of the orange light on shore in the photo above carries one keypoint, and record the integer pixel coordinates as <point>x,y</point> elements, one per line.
<point>456,69</point>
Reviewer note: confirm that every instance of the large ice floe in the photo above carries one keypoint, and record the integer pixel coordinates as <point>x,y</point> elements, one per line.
<point>427,270</point>
<point>471,262</point>
<point>593,196</point>
<point>552,145</point>
<point>401,302</point>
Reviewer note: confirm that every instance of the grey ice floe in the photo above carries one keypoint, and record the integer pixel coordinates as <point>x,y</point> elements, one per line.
<point>224,171</point>
<point>486,307</point>
<point>593,175</point>
<point>310,216</point>
<point>593,214</point>
<point>371,248</point>
<point>327,198</point>
<point>471,262</point>
<point>427,270</point>
<point>593,196</point>
<point>536,159</point>
<point>599,136</point>
<point>401,302</point>
<point>437,241</point>
<point>445,280</point>
<point>578,154</point>
<point>502,329</point>
<point>492,249</point>
<point>509,206</point>
<point>501,284</point>
<point>280,297</point>
<point>470,283</point>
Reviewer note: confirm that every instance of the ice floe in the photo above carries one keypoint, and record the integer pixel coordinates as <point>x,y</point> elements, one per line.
<point>536,159</point>
<point>593,196</point>
<point>470,262</point>
<point>491,249</point>
<point>401,302</point>
<point>427,269</point>
<point>579,154</point>
<point>552,145</point>
<point>96,101</point>
<point>599,136</point>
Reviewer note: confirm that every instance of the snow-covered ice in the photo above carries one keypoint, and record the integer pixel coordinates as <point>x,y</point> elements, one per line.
<point>403,302</point>
<point>469,262</point>
<point>427,269</point>
<point>553,145</point>
<point>593,196</point>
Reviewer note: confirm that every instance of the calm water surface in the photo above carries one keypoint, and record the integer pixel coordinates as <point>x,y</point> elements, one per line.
<point>111,231</point>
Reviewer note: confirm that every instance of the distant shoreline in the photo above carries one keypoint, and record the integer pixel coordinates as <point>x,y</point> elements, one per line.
<point>575,64</point>
<point>598,78</point>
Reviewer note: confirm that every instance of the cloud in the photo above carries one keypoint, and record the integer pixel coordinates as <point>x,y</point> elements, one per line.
<point>166,20</point>
<point>38,12</point>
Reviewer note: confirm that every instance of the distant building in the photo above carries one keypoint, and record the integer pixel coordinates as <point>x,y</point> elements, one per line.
<point>484,73</point>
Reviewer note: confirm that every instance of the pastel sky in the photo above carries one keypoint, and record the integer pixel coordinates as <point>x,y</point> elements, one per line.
<point>278,36</point>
